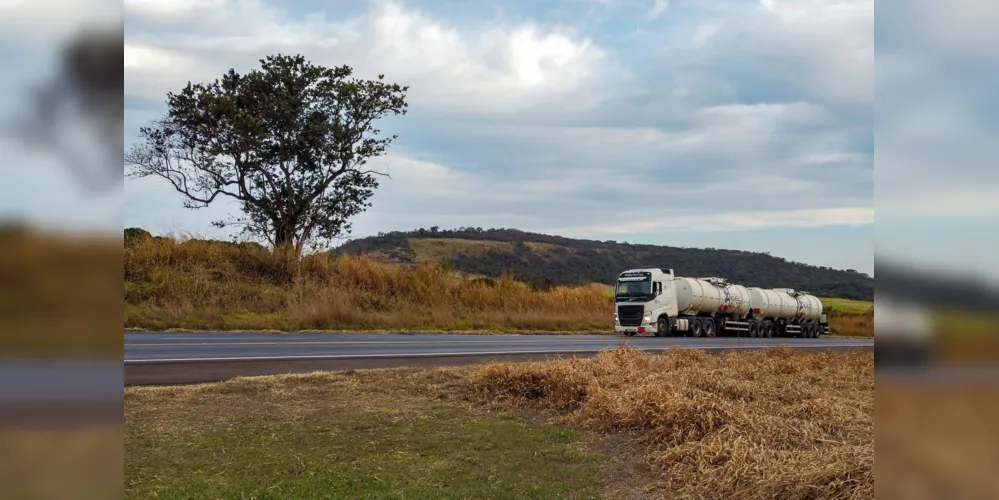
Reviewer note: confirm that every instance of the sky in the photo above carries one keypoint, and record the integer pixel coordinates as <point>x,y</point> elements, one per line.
<point>711,123</point>
<point>703,124</point>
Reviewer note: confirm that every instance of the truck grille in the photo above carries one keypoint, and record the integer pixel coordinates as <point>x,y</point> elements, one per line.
<point>630,315</point>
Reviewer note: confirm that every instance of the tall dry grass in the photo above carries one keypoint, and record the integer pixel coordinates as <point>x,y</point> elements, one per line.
<point>763,424</point>
<point>860,325</point>
<point>204,284</point>
<point>171,283</point>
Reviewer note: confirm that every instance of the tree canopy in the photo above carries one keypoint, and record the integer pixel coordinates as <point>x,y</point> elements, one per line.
<point>289,141</point>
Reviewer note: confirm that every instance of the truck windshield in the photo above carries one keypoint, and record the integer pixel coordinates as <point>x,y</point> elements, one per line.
<point>634,287</point>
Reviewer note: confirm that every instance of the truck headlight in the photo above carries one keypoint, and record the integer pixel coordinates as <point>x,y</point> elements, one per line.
<point>647,318</point>
<point>616,319</point>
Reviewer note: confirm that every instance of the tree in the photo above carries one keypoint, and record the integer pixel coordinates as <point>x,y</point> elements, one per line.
<point>288,141</point>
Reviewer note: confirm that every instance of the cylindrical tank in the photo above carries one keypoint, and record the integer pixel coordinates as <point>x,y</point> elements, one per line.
<point>738,300</point>
<point>772,303</point>
<point>809,306</point>
<point>695,296</point>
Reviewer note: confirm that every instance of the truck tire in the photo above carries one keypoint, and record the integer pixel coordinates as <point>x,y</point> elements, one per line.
<point>754,328</point>
<point>695,327</point>
<point>709,327</point>
<point>768,329</point>
<point>662,327</point>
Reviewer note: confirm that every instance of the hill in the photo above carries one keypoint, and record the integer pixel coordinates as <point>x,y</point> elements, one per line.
<point>554,260</point>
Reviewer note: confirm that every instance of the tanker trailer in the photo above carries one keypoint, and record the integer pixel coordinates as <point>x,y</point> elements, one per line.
<point>654,300</point>
<point>784,312</point>
<point>710,306</point>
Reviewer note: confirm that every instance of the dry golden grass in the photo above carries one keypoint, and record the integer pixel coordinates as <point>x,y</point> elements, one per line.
<point>58,293</point>
<point>763,424</point>
<point>938,440</point>
<point>859,325</point>
<point>198,284</point>
<point>219,286</point>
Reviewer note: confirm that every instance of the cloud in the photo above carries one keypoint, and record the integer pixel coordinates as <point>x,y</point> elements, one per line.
<point>492,68</point>
<point>41,24</point>
<point>732,116</point>
<point>659,7</point>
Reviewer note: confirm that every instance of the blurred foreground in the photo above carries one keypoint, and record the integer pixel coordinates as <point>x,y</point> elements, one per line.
<point>60,275</point>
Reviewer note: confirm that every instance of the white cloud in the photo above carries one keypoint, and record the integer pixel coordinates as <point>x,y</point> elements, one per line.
<point>538,126</point>
<point>733,220</point>
<point>659,7</point>
<point>44,23</point>
<point>492,69</point>
<point>824,47</point>
<point>705,32</point>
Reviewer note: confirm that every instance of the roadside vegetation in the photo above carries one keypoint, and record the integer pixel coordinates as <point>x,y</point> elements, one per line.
<point>214,285</point>
<point>370,434</point>
<point>173,283</point>
<point>762,424</point>
<point>624,424</point>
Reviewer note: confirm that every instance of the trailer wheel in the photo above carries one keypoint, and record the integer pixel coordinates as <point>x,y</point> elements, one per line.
<point>815,330</point>
<point>662,326</point>
<point>767,330</point>
<point>695,327</point>
<point>754,329</point>
<point>709,327</point>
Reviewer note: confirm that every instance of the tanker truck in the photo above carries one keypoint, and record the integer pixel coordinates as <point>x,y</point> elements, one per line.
<point>653,301</point>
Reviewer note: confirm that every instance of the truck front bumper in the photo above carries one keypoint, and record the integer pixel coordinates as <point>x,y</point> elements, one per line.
<point>641,330</point>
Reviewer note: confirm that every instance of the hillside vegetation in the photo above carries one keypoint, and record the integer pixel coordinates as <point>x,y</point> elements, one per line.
<point>554,260</point>
<point>205,284</point>
<point>216,285</point>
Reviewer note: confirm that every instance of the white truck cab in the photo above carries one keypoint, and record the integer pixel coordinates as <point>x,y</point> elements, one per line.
<point>645,300</point>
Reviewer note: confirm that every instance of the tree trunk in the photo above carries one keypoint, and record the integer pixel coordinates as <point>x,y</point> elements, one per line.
<point>284,238</point>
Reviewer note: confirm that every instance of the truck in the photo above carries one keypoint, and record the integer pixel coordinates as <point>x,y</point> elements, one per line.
<point>653,301</point>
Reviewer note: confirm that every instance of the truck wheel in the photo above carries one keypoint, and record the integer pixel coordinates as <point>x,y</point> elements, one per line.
<point>815,331</point>
<point>767,330</point>
<point>754,328</point>
<point>695,327</point>
<point>709,327</point>
<point>662,327</point>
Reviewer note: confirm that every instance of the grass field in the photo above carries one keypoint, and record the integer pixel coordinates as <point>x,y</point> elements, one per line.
<point>766,424</point>
<point>376,434</point>
<point>846,306</point>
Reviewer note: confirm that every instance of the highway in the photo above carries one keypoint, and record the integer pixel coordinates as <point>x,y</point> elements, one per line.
<point>174,358</point>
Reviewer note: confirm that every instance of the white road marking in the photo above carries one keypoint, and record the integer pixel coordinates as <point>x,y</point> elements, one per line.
<point>324,342</point>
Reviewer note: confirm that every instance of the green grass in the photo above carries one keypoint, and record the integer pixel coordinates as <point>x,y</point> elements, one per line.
<point>381,435</point>
<point>846,306</point>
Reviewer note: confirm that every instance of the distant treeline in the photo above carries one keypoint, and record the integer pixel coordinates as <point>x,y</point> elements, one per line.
<point>577,261</point>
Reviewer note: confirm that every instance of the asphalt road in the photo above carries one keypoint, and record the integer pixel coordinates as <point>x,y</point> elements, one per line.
<point>170,358</point>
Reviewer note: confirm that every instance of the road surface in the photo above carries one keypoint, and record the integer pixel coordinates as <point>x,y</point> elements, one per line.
<point>169,358</point>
